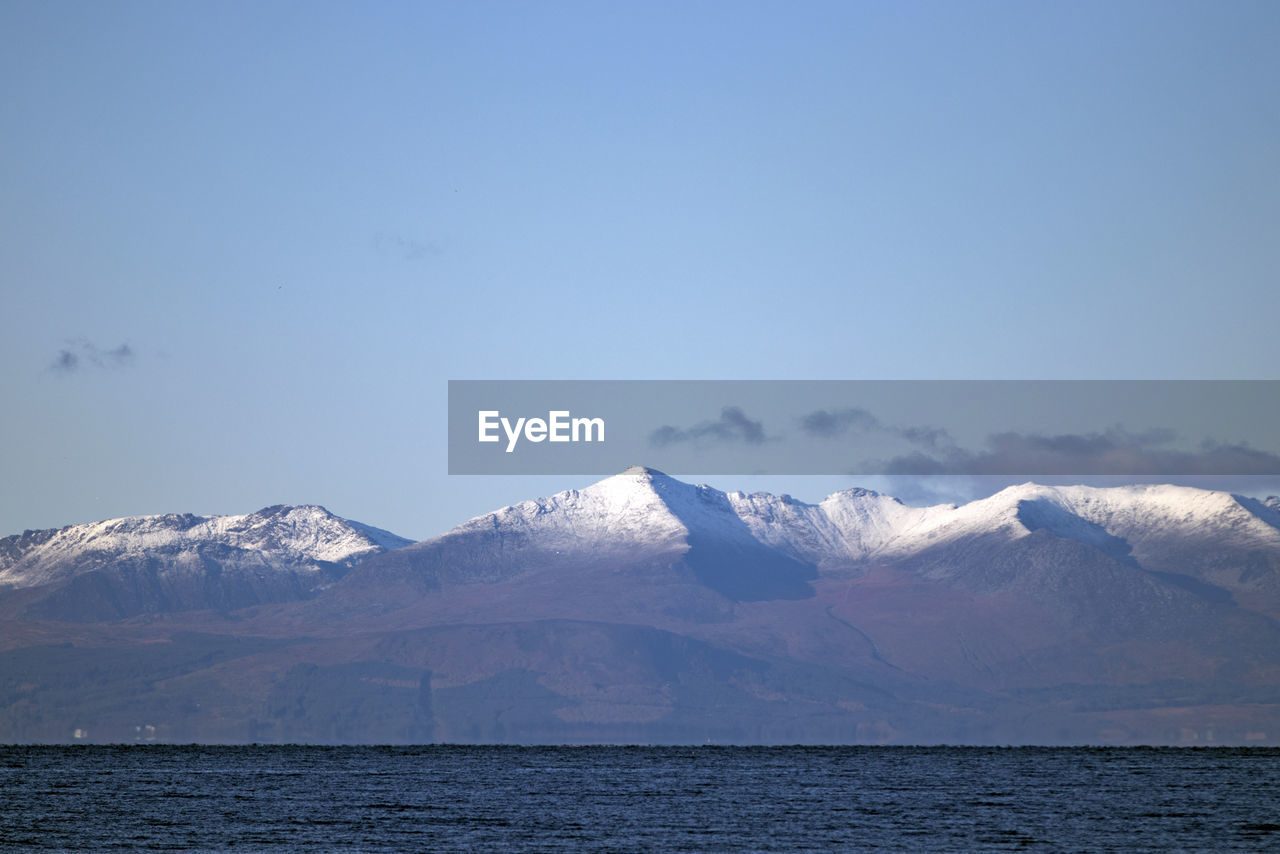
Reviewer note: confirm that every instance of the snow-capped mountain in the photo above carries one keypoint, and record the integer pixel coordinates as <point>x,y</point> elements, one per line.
<point>1144,613</point>
<point>642,608</point>
<point>760,546</point>
<point>148,564</point>
<point>639,517</point>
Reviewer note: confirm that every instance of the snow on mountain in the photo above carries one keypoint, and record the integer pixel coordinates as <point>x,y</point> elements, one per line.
<point>137,565</point>
<point>744,547</point>
<point>845,527</point>
<point>759,547</point>
<point>1093,515</point>
<point>1159,510</point>
<point>640,517</point>
<point>643,507</point>
<point>629,608</point>
<point>616,514</point>
<point>274,536</point>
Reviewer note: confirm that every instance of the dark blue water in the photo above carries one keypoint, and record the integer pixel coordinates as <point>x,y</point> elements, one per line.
<point>637,799</point>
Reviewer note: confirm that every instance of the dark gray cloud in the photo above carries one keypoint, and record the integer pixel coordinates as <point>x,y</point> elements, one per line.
<point>1116,451</point>
<point>82,354</point>
<point>824,424</point>
<point>828,424</point>
<point>930,437</point>
<point>732,426</point>
<point>66,361</point>
<point>1113,452</point>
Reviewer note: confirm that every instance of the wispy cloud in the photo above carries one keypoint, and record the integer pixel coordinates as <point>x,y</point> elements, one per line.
<point>82,354</point>
<point>733,426</point>
<point>403,247</point>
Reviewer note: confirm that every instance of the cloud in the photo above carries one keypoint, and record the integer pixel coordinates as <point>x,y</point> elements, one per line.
<point>1116,451</point>
<point>732,426</point>
<point>830,425</point>
<point>1113,452</point>
<point>66,361</point>
<point>824,424</point>
<point>82,354</point>
<point>121,354</point>
<point>404,247</point>
<point>932,437</point>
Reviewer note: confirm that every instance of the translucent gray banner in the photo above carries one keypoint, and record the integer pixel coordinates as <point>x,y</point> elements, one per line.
<point>867,427</point>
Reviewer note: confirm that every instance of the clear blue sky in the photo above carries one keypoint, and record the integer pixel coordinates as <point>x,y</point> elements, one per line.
<point>245,245</point>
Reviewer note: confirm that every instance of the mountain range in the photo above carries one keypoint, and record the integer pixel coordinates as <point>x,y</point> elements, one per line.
<point>644,609</point>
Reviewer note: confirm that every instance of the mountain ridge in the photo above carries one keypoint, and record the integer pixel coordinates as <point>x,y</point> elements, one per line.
<point>644,509</point>
<point>141,564</point>
<point>645,609</point>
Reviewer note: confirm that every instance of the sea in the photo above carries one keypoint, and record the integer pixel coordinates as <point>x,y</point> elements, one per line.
<point>641,799</point>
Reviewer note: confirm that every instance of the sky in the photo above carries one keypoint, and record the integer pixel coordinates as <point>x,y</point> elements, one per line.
<point>246,245</point>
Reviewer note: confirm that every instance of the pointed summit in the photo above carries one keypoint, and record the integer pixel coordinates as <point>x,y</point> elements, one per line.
<point>643,471</point>
<point>649,479</point>
<point>639,485</point>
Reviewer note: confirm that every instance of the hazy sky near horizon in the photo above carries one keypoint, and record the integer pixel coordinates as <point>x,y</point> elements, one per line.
<point>246,245</point>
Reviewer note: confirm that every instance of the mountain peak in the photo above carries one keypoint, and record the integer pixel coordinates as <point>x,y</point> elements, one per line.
<point>640,483</point>
<point>642,471</point>
<point>293,509</point>
<point>857,492</point>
